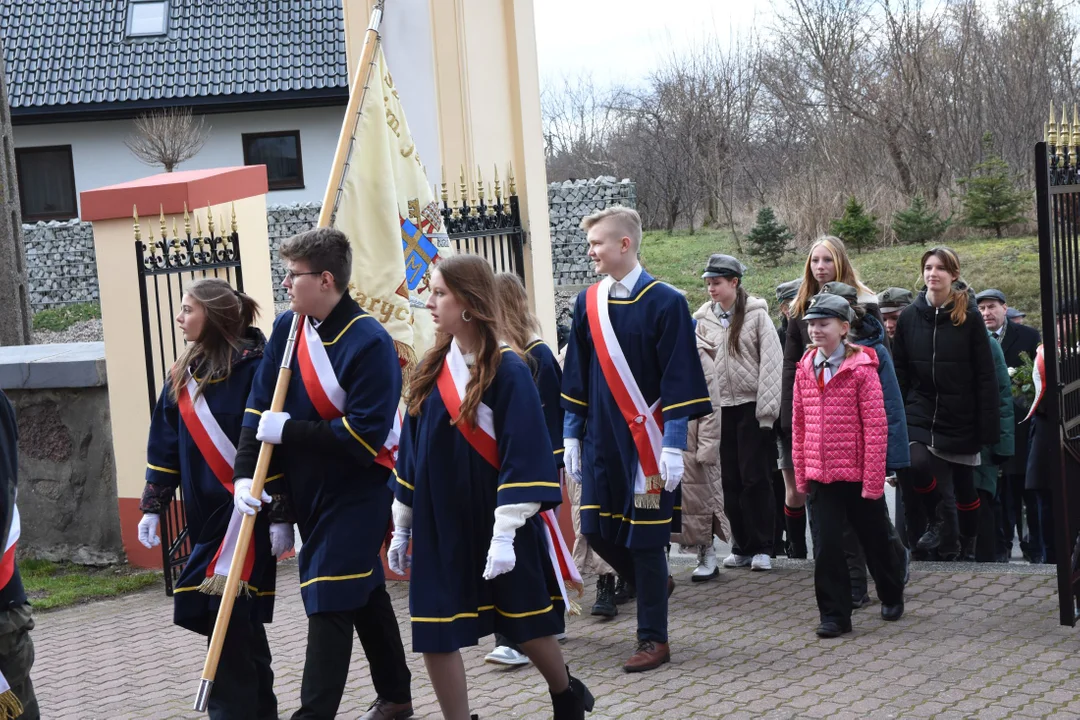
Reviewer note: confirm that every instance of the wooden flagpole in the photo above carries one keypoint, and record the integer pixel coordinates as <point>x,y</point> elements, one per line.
<point>357,95</point>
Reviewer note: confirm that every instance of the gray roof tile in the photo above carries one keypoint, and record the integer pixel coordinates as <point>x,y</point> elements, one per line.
<point>72,52</point>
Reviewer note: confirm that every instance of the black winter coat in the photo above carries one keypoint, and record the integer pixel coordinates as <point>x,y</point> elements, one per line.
<point>947,378</point>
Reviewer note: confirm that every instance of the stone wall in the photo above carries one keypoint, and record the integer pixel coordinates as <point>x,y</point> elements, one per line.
<point>60,266</point>
<point>284,221</point>
<point>67,477</point>
<point>569,202</point>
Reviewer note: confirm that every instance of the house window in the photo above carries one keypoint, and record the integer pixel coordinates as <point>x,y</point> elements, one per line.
<point>280,153</point>
<point>46,183</point>
<point>147,17</point>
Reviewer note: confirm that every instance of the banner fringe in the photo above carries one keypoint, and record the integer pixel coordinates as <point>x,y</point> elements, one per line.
<point>215,585</point>
<point>10,707</point>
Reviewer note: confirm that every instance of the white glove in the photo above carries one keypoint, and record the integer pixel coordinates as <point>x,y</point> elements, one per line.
<point>148,529</point>
<point>397,555</point>
<point>243,500</point>
<point>270,426</point>
<point>501,558</point>
<point>572,458</point>
<point>282,538</point>
<point>671,468</point>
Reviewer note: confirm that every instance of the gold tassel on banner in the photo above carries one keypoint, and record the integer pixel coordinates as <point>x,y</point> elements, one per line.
<point>215,585</point>
<point>650,499</point>
<point>10,707</point>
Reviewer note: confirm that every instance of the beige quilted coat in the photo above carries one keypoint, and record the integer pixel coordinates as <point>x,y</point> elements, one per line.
<point>756,373</point>
<point>702,494</point>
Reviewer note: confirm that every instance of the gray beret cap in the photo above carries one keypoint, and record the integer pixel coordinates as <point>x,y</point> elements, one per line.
<point>894,299</point>
<point>788,290</point>
<point>841,290</point>
<point>826,305</point>
<point>991,295</point>
<point>721,265</point>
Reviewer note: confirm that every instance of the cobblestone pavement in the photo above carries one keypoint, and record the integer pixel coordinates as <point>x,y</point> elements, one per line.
<point>974,643</point>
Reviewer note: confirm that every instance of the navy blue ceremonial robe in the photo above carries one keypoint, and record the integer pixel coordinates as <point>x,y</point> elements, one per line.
<point>656,332</point>
<point>173,458</point>
<point>453,492</point>
<point>339,495</point>
<point>548,377</point>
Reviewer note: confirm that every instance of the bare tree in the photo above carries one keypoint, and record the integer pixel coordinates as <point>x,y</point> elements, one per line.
<point>167,137</point>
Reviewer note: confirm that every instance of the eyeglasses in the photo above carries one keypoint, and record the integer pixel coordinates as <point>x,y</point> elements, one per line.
<point>289,274</point>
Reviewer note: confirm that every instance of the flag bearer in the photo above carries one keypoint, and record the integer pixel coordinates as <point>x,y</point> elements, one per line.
<point>335,445</point>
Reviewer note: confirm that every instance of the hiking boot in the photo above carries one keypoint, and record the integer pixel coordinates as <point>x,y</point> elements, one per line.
<point>624,592</point>
<point>930,539</point>
<point>706,568</point>
<point>605,597</point>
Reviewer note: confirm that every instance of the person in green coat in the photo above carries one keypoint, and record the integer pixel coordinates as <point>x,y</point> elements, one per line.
<point>982,547</point>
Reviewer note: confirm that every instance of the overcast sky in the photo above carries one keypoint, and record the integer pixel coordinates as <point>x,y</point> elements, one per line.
<point>621,40</point>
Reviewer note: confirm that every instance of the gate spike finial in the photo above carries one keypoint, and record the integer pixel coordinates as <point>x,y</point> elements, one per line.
<point>1051,135</point>
<point>511,186</point>
<point>498,190</point>
<point>464,188</point>
<point>161,221</point>
<point>198,228</point>
<point>1063,127</point>
<point>175,233</point>
<point>1075,128</point>
<point>1046,133</point>
<point>479,184</point>
<point>221,220</point>
<point>491,206</point>
<point>232,221</point>
<point>135,217</point>
<point>209,219</point>
<point>187,221</point>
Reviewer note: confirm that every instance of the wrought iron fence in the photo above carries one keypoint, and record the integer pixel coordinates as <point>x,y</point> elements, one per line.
<point>489,227</point>
<point>1057,183</point>
<point>165,264</point>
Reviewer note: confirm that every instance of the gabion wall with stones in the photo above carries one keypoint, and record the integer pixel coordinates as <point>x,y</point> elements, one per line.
<point>570,201</point>
<point>60,264</point>
<point>283,221</point>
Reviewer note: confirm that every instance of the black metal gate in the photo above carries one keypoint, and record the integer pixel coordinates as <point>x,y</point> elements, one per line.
<point>492,229</point>
<point>1057,181</point>
<point>164,266</point>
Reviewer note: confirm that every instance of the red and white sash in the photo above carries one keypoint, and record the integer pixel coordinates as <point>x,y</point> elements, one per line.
<point>645,421</point>
<point>326,393</point>
<point>452,381</point>
<point>1038,372</point>
<point>8,701</point>
<point>220,454</point>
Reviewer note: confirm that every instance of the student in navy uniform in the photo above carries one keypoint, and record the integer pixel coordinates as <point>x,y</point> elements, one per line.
<point>16,618</point>
<point>214,375</point>
<point>519,327</point>
<point>474,470</point>
<point>339,411</point>
<point>627,512</point>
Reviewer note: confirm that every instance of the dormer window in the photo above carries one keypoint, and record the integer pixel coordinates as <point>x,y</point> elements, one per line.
<point>147,17</point>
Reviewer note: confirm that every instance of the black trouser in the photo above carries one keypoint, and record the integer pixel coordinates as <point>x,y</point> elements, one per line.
<point>856,558</point>
<point>17,656</point>
<point>1011,492</point>
<point>838,504</point>
<point>1040,522</point>
<point>986,539</point>
<point>244,685</point>
<point>915,504</point>
<point>503,641</point>
<point>329,651</point>
<point>645,569</point>
<point>746,479</point>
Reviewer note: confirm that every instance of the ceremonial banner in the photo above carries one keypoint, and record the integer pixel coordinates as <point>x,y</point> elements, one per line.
<point>390,215</point>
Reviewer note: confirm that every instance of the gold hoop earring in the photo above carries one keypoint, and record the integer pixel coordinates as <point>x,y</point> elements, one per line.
<point>465,316</point>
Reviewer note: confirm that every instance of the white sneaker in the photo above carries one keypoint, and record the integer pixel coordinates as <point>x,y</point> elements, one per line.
<point>761,562</point>
<point>503,655</point>
<point>706,569</point>
<point>734,561</point>
<point>561,638</point>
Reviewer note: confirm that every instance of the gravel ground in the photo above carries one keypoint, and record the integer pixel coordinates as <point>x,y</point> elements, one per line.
<point>87,331</point>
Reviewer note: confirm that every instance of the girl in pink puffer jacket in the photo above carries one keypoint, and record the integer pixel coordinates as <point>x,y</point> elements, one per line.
<point>839,439</point>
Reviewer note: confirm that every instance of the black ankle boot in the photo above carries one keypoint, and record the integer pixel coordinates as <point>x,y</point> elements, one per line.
<point>624,591</point>
<point>573,702</point>
<point>795,522</point>
<point>605,597</point>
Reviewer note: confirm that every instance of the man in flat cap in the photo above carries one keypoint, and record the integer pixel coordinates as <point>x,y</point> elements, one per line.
<point>891,301</point>
<point>1014,339</point>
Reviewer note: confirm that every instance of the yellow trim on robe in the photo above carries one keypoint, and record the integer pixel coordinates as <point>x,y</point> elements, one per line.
<point>253,412</point>
<point>398,478</point>
<point>161,469</point>
<point>274,477</point>
<point>534,344</point>
<point>556,452</point>
<point>484,608</point>
<point>358,438</point>
<point>639,295</point>
<point>532,484</point>
<point>684,404</point>
<point>358,317</point>
<point>531,613</point>
<point>588,507</point>
<point>185,589</point>
<point>326,578</point>
<point>576,402</point>
<point>646,522</point>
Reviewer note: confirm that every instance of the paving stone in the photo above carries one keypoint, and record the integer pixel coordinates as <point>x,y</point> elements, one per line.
<point>743,647</point>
